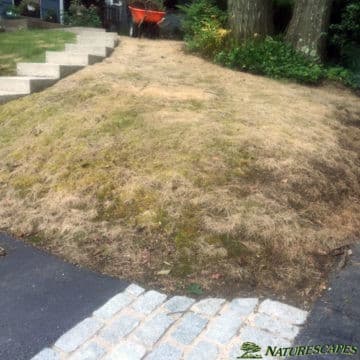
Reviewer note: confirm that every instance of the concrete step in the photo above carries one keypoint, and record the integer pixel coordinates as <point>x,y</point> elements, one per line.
<point>71,58</point>
<point>97,41</point>
<point>95,35</point>
<point>46,70</point>
<point>81,30</point>
<point>24,84</point>
<point>89,49</point>
<point>6,96</point>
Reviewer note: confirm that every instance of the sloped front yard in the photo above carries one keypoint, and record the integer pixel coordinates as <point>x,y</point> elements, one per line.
<point>161,168</point>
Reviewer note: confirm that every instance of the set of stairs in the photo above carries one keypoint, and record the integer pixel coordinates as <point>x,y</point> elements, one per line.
<point>92,46</point>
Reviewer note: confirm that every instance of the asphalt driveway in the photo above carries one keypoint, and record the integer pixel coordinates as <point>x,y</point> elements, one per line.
<point>41,297</point>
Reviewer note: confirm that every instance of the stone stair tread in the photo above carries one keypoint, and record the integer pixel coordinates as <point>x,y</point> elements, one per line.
<point>93,46</point>
<point>6,93</point>
<point>26,77</point>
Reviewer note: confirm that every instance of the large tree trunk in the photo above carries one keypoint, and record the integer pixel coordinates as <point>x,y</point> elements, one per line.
<point>308,26</point>
<point>250,17</point>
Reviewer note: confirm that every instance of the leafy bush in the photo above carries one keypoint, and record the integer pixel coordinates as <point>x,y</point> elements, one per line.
<point>209,39</point>
<point>204,27</point>
<point>271,57</point>
<point>157,5</point>
<point>30,8</point>
<point>199,11</point>
<point>345,35</point>
<point>80,15</point>
<point>345,76</point>
<point>12,12</point>
<point>205,33</point>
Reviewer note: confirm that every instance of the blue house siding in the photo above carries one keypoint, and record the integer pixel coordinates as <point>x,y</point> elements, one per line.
<point>50,5</point>
<point>4,4</point>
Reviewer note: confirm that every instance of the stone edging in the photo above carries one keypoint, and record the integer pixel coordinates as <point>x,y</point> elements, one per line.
<point>135,324</point>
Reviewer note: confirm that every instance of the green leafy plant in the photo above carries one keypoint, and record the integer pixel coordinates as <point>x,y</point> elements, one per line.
<point>157,5</point>
<point>12,12</point>
<point>195,289</point>
<point>343,75</point>
<point>30,8</point>
<point>80,15</point>
<point>345,35</point>
<point>206,33</point>
<point>204,27</point>
<point>271,57</point>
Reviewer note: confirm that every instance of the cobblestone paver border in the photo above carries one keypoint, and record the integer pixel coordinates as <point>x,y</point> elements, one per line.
<point>138,324</point>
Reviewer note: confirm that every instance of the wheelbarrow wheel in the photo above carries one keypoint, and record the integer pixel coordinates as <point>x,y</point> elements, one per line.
<point>133,30</point>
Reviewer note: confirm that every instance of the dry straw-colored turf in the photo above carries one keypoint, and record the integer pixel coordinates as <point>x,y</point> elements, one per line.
<point>155,160</point>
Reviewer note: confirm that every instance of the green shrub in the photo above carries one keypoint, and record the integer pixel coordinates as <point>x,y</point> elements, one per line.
<point>30,8</point>
<point>209,39</point>
<point>271,57</point>
<point>12,12</point>
<point>345,35</point>
<point>205,33</point>
<point>80,15</point>
<point>157,5</point>
<point>203,26</point>
<point>199,11</point>
<point>345,76</point>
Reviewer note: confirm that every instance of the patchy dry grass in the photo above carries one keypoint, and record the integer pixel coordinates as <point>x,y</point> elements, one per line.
<point>158,160</point>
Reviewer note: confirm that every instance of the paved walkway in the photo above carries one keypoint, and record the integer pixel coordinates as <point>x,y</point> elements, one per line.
<point>137,324</point>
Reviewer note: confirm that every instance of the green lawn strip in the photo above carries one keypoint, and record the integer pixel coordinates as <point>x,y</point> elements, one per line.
<point>29,46</point>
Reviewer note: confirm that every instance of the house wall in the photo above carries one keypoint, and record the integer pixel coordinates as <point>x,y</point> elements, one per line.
<point>50,5</point>
<point>4,4</point>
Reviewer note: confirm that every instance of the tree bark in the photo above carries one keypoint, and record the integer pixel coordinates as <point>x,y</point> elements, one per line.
<point>308,27</point>
<point>248,18</point>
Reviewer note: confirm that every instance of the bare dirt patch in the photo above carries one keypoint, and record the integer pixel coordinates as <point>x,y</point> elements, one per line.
<point>156,162</point>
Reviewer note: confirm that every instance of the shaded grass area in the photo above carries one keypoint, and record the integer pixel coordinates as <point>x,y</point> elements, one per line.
<point>243,186</point>
<point>29,46</point>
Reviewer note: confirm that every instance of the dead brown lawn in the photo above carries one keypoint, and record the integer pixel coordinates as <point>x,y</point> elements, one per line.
<point>157,160</point>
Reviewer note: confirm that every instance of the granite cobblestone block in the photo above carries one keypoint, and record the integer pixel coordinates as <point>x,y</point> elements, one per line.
<point>178,304</point>
<point>92,351</point>
<point>224,327</point>
<point>150,332</point>
<point>282,311</point>
<point>46,354</point>
<point>208,307</point>
<point>165,352</point>
<point>146,303</point>
<point>134,290</point>
<point>75,337</point>
<point>189,328</point>
<point>113,306</point>
<point>203,351</point>
<point>127,351</point>
<point>277,327</point>
<point>119,329</point>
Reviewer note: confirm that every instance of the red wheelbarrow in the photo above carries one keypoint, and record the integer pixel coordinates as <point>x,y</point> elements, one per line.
<point>144,16</point>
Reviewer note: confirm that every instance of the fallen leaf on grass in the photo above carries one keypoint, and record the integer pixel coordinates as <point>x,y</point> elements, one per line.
<point>163,272</point>
<point>195,289</point>
<point>216,276</point>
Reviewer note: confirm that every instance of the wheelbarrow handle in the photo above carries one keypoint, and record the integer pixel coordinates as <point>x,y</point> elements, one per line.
<point>161,21</point>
